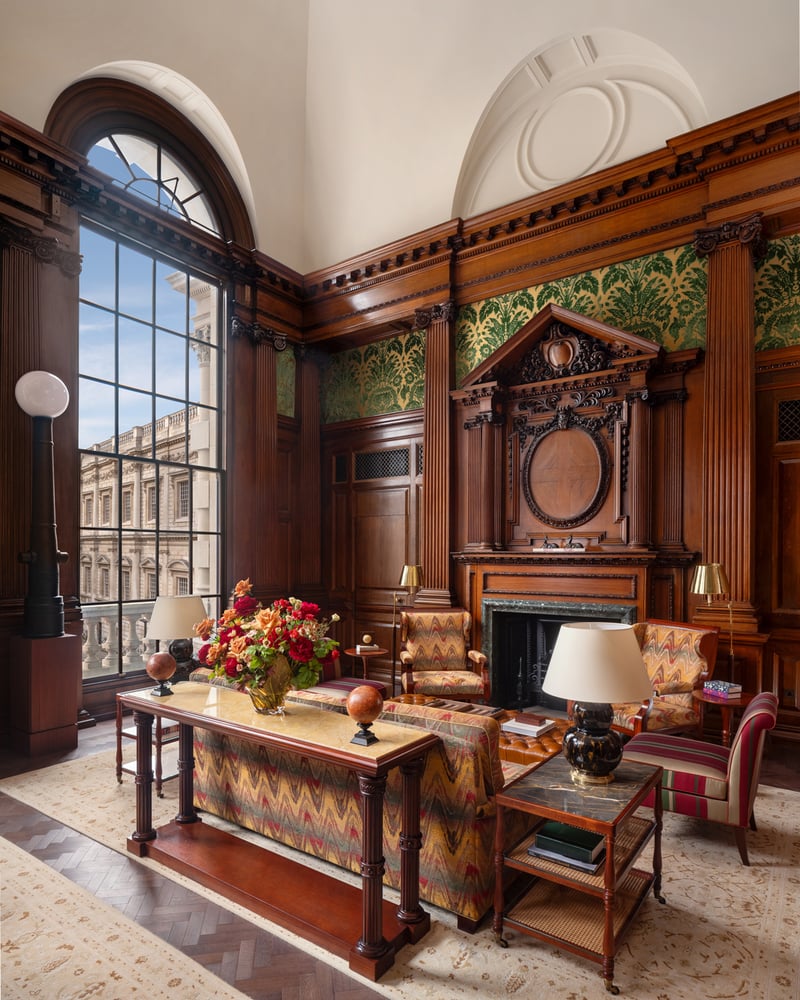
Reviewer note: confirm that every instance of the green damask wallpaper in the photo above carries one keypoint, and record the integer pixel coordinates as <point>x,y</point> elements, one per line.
<point>385,377</point>
<point>777,295</point>
<point>661,297</point>
<point>285,377</point>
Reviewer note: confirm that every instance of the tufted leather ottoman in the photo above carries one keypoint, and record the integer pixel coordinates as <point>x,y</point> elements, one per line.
<point>529,749</point>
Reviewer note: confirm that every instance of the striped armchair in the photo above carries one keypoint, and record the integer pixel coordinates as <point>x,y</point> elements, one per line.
<point>435,657</point>
<point>708,781</point>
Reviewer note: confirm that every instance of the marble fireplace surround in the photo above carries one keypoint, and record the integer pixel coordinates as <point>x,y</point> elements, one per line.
<point>526,630</point>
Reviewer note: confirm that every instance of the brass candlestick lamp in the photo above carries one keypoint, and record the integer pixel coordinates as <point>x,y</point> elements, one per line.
<point>711,580</point>
<point>411,579</point>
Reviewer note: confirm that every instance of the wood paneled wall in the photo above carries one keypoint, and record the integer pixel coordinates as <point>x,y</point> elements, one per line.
<point>295,521</point>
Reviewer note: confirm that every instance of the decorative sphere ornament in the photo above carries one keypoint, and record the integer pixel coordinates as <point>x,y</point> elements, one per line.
<point>161,666</point>
<point>364,704</point>
<point>366,639</point>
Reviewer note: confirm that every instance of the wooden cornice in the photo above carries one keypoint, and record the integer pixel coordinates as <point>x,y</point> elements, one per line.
<point>654,202</point>
<point>380,290</point>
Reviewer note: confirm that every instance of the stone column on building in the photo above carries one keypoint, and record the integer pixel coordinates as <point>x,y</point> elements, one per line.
<point>729,417</point>
<point>436,528</point>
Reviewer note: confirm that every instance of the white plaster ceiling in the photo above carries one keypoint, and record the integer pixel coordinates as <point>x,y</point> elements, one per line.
<point>571,108</point>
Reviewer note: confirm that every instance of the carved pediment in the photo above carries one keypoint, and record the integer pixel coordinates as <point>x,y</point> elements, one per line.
<point>556,344</point>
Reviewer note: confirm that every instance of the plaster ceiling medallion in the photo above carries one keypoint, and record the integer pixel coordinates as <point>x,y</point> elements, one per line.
<point>575,106</point>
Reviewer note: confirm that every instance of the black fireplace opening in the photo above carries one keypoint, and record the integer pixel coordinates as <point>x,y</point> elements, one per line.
<point>518,640</point>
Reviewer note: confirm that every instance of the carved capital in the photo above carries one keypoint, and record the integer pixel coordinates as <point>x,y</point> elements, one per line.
<point>488,417</point>
<point>44,249</point>
<point>443,313</point>
<point>258,334</point>
<point>749,232</point>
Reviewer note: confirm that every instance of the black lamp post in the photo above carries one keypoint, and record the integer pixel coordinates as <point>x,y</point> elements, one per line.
<point>43,396</point>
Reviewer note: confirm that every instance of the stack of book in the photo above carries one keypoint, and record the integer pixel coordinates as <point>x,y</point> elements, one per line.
<point>527,724</point>
<point>722,689</point>
<point>579,849</point>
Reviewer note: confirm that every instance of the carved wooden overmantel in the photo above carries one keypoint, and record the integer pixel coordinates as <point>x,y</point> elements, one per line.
<point>558,431</point>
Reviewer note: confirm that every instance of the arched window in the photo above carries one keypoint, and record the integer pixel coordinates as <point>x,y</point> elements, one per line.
<point>154,296</point>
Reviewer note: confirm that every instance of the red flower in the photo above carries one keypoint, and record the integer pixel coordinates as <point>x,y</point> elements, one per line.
<point>301,649</point>
<point>246,605</point>
<point>231,666</point>
<point>203,652</point>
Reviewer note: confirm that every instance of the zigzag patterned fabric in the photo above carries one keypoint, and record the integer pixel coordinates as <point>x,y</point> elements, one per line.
<point>437,641</point>
<point>674,665</point>
<point>314,806</point>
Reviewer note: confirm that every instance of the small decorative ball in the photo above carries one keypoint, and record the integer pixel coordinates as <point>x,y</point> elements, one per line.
<point>364,703</point>
<point>366,640</point>
<point>161,666</point>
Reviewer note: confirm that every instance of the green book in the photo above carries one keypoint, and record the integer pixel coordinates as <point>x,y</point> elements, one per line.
<point>569,841</point>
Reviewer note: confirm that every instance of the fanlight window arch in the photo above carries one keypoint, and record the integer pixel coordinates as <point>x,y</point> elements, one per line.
<point>146,169</point>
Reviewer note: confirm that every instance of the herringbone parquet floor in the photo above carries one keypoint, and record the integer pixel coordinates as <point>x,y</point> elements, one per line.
<point>257,963</point>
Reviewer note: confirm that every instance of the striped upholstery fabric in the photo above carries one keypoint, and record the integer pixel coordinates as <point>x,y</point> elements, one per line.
<point>707,781</point>
<point>678,658</point>
<point>436,658</point>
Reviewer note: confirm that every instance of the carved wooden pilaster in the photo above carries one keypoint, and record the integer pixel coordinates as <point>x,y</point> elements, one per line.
<point>671,526</point>
<point>729,415</point>
<point>308,410</point>
<point>19,353</point>
<point>252,510</point>
<point>484,497</point>
<point>639,471</point>
<point>437,450</point>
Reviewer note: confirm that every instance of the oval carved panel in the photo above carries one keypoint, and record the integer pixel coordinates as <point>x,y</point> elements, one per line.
<point>566,476</point>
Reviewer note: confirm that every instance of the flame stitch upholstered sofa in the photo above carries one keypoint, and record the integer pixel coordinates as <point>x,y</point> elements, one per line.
<point>313,806</point>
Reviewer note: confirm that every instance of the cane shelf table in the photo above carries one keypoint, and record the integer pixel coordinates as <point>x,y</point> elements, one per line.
<point>586,914</point>
<point>353,922</point>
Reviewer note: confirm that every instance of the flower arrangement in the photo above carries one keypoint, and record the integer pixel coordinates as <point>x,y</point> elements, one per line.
<point>249,642</point>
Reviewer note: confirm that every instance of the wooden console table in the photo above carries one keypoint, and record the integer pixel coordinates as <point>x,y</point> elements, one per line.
<point>355,924</point>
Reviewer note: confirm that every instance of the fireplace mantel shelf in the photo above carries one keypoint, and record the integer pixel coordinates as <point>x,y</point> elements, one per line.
<point>639,557</point>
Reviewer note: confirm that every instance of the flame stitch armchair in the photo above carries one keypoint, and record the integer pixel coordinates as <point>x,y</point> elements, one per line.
<point>435,657</point>
<point>679,658</point>
<point>708,781</point>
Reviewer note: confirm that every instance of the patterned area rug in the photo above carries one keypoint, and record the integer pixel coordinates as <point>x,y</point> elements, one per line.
<point>726,932</point>
<point>60,943</point>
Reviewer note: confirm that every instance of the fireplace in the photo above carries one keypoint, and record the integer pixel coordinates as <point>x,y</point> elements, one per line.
<point>518,640</point>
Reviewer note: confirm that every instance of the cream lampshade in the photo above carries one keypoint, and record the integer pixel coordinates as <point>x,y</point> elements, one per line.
<point>173,620</point>
<point>595,664</point>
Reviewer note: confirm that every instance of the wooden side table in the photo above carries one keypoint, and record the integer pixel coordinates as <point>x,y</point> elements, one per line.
<point>365,656</point>
<point>586,914</point>
<point>726,707</point>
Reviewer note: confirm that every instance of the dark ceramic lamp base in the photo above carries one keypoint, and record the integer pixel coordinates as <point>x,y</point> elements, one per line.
<point>592,748</point>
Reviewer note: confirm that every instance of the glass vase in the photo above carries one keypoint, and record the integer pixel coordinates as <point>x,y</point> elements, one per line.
<point>269,696</point>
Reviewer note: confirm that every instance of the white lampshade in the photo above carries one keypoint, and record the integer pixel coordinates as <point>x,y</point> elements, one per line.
<point>598,662</point>
<point>41,394</point>
<point>175,617</point>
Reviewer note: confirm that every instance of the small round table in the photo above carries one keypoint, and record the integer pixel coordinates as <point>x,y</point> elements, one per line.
<point>365,654</point>
<point>726,706</point>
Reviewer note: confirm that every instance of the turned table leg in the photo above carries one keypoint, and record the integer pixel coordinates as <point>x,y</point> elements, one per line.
<point>410,912</point>
<point>186,809</point>
<point>372,943</point>
<point>144,831</point>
